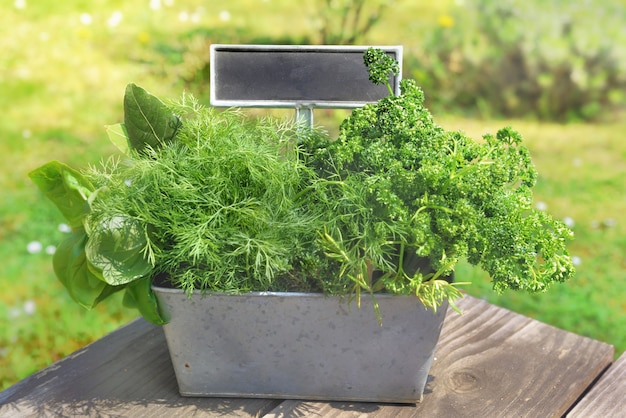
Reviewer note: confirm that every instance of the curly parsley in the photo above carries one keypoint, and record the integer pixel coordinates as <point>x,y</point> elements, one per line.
<point>402,188</point>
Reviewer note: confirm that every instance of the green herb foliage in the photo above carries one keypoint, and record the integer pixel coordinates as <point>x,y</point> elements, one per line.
<point>206,200</point>
<point>380,65</point>
<point>147,120</point>
<point>70,191</point>
<point>216,202</point>
<point>218,209</point>
<point>404,188</point>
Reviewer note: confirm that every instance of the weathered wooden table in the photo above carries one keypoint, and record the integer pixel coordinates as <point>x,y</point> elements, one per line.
<point>490,362</point>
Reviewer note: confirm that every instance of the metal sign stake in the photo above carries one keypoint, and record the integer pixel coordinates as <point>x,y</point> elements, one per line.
<point>304,116</point>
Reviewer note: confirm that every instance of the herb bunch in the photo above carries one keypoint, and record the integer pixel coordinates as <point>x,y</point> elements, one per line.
<point>219,204</point>
<point>412,199</point>
<point>200,200</point>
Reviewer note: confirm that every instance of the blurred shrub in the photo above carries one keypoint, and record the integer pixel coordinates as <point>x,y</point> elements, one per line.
<point>557,59</point>
<point>347,22</point>
<point>184,61</point>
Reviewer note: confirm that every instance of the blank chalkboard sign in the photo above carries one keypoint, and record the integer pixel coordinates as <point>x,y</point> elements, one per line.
<point>294,76</point>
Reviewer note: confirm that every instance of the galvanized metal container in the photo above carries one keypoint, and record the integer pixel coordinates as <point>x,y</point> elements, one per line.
<point>300,346</point>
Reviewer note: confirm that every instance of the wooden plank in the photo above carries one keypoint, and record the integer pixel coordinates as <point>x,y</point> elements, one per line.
<point>491,362</point>
<point>127,373</point>
<point>502,363</point>
<point>606,398</point>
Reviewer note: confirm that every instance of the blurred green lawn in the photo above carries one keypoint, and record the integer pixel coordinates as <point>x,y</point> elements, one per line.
<point>63,70</point>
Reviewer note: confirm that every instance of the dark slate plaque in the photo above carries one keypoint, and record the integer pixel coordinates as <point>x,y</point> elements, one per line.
<point>294,76</point>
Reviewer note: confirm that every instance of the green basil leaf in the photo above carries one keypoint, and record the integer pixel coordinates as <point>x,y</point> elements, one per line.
<point>148,121</point>
<point>119,137</point>
<point>66,188</point>
<point>72,269</point>
<point>116,247</point>
<point>107,291</point>
<point>139,295</point>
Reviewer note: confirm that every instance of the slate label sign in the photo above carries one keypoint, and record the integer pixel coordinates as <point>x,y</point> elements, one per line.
<point>294,76</point>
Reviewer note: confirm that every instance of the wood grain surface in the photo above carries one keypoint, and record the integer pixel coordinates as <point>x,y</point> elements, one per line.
<point>608,397</point>
<point>490,362</point>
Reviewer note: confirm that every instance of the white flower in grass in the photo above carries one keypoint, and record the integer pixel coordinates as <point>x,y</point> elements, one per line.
<point>542,206</point>
<point>569,221</point>
<point>609,223</point>
<point>86,19</point>
<point>34,247</point>
<point>224,15</point>
<point>51,249</point>
<point>65,228</point>
<point>577,261</point>
<point>30,307</point>
<point>183,16</point>
<point>115,19</point>
<point>604,224</point>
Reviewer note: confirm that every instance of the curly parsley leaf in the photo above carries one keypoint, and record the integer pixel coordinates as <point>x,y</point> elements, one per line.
<point>402,186</point>
<point>379,66</point>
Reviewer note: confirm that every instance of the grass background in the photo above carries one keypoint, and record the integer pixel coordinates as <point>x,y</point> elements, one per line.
<point>63,69</point>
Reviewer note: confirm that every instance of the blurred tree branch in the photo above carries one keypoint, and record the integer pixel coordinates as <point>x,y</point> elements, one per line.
<point>345,22</point>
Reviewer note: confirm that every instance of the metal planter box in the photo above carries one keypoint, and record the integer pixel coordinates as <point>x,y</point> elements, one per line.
<point>300,346</point>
